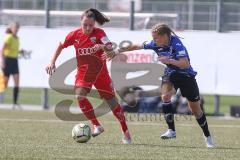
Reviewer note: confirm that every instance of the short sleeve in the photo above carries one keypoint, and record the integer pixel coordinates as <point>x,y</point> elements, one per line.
<point>180,49</point>
<point>148,45</point>
<point>7,39</point>
<point>69,40</point>
<point>103,37</point>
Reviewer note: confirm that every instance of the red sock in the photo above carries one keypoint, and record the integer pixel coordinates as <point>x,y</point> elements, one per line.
<point>118,113</point>
<point>88,111</point>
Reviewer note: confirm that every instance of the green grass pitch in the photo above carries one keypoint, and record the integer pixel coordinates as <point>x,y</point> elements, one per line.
<point>41,135</point>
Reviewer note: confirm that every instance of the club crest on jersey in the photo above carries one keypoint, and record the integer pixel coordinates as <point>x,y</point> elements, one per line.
<point>93,39</point>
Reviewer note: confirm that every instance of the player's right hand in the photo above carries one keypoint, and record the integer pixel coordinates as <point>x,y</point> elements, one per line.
<point>50,69</point>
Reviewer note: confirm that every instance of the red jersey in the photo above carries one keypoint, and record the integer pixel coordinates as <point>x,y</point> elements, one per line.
<point>88,56</point>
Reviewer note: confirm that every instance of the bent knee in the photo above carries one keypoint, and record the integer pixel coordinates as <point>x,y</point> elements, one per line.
<point>80,93</point>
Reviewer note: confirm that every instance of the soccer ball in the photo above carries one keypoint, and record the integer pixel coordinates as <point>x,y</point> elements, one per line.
<point>81,133</point>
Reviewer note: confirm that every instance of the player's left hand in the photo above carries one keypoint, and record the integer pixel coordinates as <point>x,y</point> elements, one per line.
<point>108,55</point>
<point>164,59</point>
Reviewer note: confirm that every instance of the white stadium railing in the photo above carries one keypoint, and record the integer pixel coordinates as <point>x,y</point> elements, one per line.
<point>63,18</point>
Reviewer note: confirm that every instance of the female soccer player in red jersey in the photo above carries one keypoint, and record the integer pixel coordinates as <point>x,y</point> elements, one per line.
<point>89,43</point>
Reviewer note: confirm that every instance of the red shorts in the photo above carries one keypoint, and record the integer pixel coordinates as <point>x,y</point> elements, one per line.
<point>102,82</point>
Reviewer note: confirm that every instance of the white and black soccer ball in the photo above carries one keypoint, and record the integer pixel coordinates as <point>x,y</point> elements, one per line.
<point>81,133</point>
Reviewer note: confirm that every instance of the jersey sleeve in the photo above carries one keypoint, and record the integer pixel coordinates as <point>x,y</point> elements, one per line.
<point>69,40</point>
<point>148,45</point>
<point>103,37</point>
<point>8,39</point>
<point>180,49</point>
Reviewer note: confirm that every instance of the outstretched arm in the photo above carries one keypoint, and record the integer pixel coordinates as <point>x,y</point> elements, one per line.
<point>51,66</point>
<point>130,48</point>
<point>110,53</point>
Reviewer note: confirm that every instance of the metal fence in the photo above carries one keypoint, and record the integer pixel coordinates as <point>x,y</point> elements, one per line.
<point>191,14</point>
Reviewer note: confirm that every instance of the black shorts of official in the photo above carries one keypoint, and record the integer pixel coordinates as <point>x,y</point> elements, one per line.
<point>11,66</point>
<point>186,83</point>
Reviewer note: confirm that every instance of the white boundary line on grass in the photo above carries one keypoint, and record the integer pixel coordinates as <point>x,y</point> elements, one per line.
<point>111,122</point>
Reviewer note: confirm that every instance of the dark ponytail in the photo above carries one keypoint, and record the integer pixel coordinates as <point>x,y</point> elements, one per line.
<point>96,15</point>
<point>162,29</point>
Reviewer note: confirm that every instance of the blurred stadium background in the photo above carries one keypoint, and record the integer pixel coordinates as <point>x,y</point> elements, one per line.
<point>211,33</point>
<point>181,14</point>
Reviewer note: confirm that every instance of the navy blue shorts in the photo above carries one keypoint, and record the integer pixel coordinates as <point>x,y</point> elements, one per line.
<point>186,83</point>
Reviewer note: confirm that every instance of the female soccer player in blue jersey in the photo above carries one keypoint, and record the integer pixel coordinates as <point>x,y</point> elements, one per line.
<point>178,75</point>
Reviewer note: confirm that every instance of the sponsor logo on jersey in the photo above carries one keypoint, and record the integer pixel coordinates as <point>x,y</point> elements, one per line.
<point>182,53</point>
<point>86,51</point>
